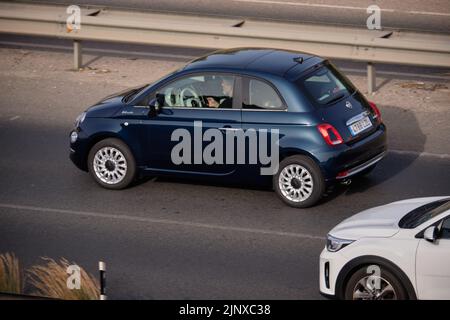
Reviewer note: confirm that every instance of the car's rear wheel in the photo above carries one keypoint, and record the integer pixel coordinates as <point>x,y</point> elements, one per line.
<point>365,285</point>
<point>299,181</point>
<point>111,164</point>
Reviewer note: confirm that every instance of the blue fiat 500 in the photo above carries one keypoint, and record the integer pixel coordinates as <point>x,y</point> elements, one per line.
<point>245,116</point>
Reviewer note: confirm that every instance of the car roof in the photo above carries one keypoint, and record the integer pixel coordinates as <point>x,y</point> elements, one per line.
<point>265,60</point>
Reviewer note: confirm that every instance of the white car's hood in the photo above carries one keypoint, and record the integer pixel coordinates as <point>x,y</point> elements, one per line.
<point>380,221</point>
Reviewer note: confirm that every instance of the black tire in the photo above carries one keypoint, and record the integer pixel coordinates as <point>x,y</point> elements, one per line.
<point>385,273</point>
<point>318,183</point>
<point>130,171</point>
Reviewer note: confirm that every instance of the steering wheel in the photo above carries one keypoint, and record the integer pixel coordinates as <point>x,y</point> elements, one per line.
<point>168,97</point>
<point>192,99</point>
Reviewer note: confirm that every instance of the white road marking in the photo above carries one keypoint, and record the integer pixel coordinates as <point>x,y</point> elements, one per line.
<point>307,4</point>
<point>331,6</point>
<point>421,154</point>
<point>161,221</point>
<point>14,118</point>
<point>428,13</point>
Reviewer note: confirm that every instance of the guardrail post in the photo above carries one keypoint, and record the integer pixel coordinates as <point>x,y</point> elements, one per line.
<point>371,78</point>
<point>77,55</point>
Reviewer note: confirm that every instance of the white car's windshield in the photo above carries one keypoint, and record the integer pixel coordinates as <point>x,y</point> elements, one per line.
<point>424,213</point>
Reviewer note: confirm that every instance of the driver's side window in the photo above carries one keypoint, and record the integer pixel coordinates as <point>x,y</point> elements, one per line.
<point>198,91</point>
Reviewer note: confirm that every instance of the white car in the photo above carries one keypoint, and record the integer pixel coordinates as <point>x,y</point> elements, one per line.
<point>397,251</point>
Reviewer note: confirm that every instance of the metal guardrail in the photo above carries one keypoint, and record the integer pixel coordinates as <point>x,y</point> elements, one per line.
<point>102,24</point>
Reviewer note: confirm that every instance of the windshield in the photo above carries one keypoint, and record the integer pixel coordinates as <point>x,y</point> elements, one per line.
<point>424,213</point>
<point>138,91</point>
<point>133,93</point>
<point>326,85</point>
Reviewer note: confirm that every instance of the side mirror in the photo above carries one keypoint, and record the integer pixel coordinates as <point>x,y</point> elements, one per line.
<point>154,107</point>
<point>431,234</point>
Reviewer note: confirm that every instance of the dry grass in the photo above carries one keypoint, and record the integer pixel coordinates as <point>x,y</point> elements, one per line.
<point>50,280</point>
<point>10,274</point>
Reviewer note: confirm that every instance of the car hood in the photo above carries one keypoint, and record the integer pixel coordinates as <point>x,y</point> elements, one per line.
<point>380,221</point>
<point>121,94</point>
<point>109,105</point>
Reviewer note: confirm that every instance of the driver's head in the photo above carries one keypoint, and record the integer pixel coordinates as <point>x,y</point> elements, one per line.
<point>227,86</point>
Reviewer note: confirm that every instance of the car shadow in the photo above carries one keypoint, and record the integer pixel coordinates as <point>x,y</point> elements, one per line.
<point>404,134</point>
<point>383,83</point>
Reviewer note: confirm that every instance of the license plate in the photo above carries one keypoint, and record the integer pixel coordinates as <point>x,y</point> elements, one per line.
<point>360,126</point>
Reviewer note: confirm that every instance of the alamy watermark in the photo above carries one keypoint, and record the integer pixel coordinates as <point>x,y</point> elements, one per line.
<point>73,21</point>
<point>374,280</point>
<point>220,150</point>
<point>74,279</point>
<point>374,20</point>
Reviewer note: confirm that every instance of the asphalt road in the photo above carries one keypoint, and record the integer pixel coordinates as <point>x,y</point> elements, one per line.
<point>175,240</point>
<point>171,239</point>
<point>430,16</point>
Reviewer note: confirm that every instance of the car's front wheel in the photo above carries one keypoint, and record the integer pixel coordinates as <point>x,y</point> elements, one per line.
<point>299,181</point>
<point>111,164</point>
<point>366,285</point>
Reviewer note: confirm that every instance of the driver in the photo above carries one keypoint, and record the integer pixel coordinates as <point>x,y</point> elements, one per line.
<point>227,100</point>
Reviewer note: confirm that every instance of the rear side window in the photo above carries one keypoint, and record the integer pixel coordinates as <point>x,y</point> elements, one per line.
<point>261,95</point>
<point>326,85</point>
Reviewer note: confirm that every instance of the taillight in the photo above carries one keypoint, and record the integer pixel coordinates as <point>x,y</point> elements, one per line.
<point>376,111</point>
<point>330,134</point>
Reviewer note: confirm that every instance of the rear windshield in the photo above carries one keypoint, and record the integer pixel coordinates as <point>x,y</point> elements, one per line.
<point>326,85</point>
<point>424,213</point>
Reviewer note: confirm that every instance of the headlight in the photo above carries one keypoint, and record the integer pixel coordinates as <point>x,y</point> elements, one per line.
<point>336,244</point>
<point>73,137</point>
<point>80,119</point>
